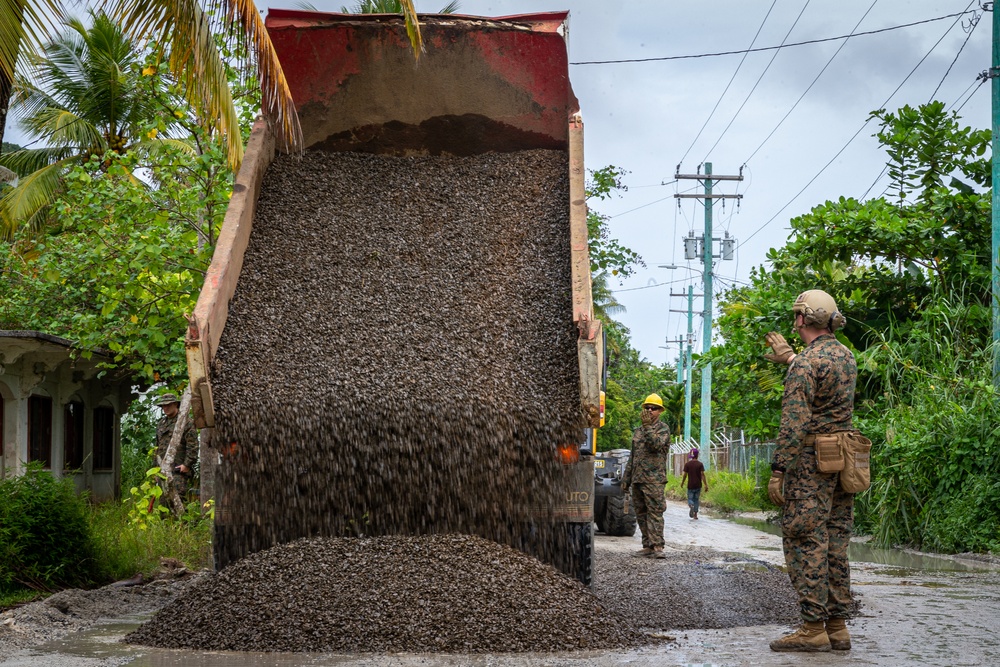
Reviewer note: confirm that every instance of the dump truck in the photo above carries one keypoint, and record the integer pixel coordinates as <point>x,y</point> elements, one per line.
<point>483,85</point>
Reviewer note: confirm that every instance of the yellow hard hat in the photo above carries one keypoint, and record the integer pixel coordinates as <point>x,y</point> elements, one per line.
<point>653,399</point>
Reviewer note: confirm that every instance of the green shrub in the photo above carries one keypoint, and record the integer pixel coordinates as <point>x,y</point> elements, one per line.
<point>45,539</point>
<point>127,548</point>
<point>138,439</point>
<point>967,520</point>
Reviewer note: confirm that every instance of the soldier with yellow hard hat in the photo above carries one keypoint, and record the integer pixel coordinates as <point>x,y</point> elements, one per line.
<point>646,475</point>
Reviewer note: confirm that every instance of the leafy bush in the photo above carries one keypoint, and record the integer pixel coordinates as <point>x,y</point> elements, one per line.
<point>935,435</point>
<point>128,549</point>
<point>968,520</point>
<point>138,438</point>
<point>45,538</point>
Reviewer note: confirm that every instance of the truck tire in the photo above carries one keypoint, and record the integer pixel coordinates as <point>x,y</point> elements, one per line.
<point>617,521</point>
<point>600,513</point>
<point>580,554</point>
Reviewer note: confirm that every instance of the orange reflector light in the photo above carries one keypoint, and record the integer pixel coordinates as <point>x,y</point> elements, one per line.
<point>569,453</point>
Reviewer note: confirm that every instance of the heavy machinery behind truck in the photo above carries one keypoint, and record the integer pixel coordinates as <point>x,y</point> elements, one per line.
<point>484,84</point>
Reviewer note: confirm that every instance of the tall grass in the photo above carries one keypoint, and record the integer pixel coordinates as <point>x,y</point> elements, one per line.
<point>127,549</point>
<point>728,492</point>
<point>935,427</point>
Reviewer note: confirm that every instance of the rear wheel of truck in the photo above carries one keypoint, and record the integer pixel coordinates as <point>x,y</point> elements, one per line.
<point>580,552</point>
<point>617,521</point>
<point>600,510</point>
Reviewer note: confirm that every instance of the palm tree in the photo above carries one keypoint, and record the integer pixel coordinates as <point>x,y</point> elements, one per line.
<point>605,303</point>
<point>390,7</point>
<point>184,31</point>
<point>86,98</point>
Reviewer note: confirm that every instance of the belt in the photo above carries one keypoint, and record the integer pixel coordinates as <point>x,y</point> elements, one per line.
<point>808,450</point>
<point>810,439</point>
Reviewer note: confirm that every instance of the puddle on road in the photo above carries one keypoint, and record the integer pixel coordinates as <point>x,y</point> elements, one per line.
<point>906,563</point>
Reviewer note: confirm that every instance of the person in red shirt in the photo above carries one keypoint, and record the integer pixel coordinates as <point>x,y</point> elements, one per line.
<point>694,476</point>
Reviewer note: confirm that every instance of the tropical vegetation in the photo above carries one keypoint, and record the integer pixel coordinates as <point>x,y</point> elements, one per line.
<point>912,272</point>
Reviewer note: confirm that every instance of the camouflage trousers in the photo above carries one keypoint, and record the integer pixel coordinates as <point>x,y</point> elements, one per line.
<point>649,506</point>
<point>816,524</point>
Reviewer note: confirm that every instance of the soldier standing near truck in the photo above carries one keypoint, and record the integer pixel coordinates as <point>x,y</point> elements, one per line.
<point>646,475</point>
<point>187,450</point>
<point>817,514</point>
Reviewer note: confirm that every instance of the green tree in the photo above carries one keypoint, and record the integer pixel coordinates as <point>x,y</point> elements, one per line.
<point>186,37</point>
<point>86,99</point>
<point>912,274</point>
<point>606,253</point>
<point>122,269</point>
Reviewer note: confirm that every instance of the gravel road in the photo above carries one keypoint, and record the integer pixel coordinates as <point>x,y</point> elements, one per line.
<point>907,617</point>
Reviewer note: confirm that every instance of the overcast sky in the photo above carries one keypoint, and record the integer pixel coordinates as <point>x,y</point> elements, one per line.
<point>647,117</point>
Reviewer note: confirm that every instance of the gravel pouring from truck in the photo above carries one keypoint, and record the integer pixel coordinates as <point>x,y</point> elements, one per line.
<point>485,85</point>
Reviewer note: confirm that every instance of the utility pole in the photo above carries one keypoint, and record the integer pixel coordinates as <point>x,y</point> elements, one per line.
<point>995,85</point>
<point>707,246</point>
<point>688,361</point>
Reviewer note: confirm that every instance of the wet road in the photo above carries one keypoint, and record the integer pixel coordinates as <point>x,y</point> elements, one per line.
<point>945,616</point>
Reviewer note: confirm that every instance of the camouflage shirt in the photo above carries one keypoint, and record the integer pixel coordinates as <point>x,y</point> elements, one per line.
<point>187,449</point>
<point>650,448</point>
<point>819,397</point>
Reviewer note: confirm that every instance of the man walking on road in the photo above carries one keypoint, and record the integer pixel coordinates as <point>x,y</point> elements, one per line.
<point>817,514</point>
<point>694,475</point>
<point>646,475</point>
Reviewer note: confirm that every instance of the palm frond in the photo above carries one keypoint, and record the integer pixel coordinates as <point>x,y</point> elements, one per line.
<point>276,96</point>
<point>24,26</point>
<point>194,60</point>
<point>32,194</point>
<point>60,127</point>
<point>27,160</point>
<point>412,28</point>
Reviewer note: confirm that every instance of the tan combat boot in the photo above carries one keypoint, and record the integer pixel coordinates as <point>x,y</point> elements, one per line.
<point>645,551</point>
<point>811,637</point>
<point>840,638</point>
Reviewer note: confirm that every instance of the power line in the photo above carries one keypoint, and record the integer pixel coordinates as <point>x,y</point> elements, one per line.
<point>759,79</point>
<point>971,95</point>
<point>771,48</point>
<point>863,126</point>
<point>975,22</point>
<point>806,91</point>
<point>733,78</point>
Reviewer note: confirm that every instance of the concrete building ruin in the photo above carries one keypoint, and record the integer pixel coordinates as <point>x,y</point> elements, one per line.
<point>60,409</point>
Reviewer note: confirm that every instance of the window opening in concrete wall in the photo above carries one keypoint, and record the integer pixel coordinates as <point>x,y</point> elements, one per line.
<point>73,436</point>
<point>104,438</point>
<point>40,430</point>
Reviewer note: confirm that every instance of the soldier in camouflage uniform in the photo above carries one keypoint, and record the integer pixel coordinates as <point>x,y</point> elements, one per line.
<point>817,515</point>
<point>186,453</point>
<point>646,475</point>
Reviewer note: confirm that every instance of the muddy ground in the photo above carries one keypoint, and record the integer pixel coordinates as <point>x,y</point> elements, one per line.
<point>945,614</point>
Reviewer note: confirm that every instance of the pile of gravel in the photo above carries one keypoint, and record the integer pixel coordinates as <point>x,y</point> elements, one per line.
<point>400,355</point>
<point>444,593</point>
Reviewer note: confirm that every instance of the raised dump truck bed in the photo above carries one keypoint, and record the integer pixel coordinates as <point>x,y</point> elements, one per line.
<point>483,87</point>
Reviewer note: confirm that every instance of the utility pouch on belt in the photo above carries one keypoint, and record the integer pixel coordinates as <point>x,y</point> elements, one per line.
<point>829,452</point>
<point>856,475</point>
